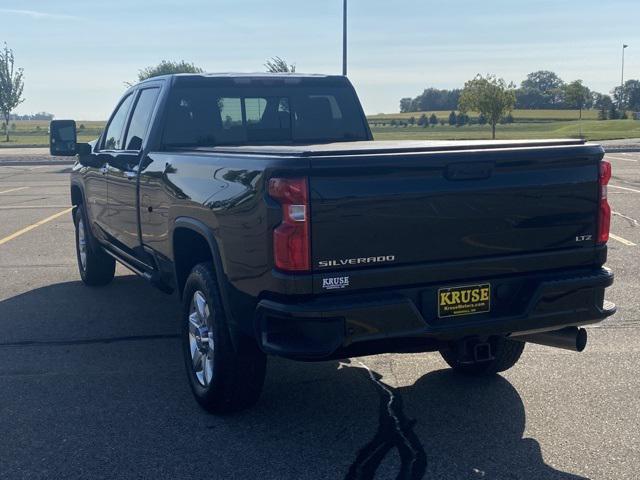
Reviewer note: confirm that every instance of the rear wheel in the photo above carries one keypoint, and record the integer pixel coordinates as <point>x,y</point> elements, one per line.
<point>224,377</point>
<point>505,353</point>
<point>95,266</point>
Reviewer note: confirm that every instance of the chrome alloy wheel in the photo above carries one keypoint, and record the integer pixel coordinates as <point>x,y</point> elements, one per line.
<point>201,343</point>
<point>82,244</point>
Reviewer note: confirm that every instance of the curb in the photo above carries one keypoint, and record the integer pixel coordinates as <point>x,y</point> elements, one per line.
<point>621,149</point>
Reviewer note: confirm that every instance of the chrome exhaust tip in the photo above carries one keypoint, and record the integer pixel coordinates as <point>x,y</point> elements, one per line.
<point>570,338</point>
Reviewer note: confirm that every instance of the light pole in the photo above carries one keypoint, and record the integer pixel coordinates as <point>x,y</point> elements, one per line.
<point>621,79</point>
<point>344,37</point>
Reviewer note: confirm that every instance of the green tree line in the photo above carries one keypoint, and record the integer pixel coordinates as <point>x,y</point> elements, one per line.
<point>542,89</point>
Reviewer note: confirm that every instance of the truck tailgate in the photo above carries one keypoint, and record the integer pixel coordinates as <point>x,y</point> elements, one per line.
<point>382,210</point>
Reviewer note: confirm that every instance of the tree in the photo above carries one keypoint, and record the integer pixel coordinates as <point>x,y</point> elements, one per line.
<point>405,105</point>
<point>543,81</point>
<point>490,96</point>
<point>433,120</point>
<point>602,113</point>
<point>11,86</point>
<point>544,88</point>
<point>423,121</point>
<point>412,121</point>
<point>613,112</point>
<point>431,99</point>
<point>166,67</point>
<point>601,101</point>
<point>453,118</point>
<point>577,95</point>
<point>632,91</point>
<point>630,95</point>
<point>530,98</point>
<point>278,65</point>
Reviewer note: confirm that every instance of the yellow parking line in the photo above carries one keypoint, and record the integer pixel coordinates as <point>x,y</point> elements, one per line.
<point>30,207</point>
<point>14,189</point>
<point>624,241</point>
<point>35,225</point>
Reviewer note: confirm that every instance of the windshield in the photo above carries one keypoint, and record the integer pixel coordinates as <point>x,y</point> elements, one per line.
<point>212,115</point>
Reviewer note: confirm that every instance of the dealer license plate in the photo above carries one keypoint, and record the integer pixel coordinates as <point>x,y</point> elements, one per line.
<point>466,300</point>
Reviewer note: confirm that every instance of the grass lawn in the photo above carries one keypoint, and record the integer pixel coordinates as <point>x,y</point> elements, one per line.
<point>536,124</point>
<point>518,115</point>
<point>589,129</point>
<point>34,133</point>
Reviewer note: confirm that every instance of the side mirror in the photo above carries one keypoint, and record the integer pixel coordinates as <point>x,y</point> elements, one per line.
<point>62,138</point>
<point>83,149</point>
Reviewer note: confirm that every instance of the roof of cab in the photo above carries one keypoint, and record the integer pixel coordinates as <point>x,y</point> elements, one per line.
<point>245,76</point>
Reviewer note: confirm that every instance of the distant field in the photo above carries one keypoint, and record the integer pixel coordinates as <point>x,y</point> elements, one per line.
<point>589,129</point>
<point>528,124</point>
<point>34,133</point>
<point>518,115</point>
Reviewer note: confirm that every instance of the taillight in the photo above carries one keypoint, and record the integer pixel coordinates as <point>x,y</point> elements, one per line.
<point>604,216</point>
<point>291,244</point>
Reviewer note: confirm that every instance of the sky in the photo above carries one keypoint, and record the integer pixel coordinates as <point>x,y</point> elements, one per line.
<point>78,54</point>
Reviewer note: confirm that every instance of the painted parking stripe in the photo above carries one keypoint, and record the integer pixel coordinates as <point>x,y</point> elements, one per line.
<point>13,189</point>
<point>30,207</point>
<point>620,158</point>
<point>625,188</point>
<point>35,225</point>
<point>631,220</point>
<point>624,241</point>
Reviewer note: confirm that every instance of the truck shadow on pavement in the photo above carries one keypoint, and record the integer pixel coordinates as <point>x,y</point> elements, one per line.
<point>446,426</point>
<point>73,312</point>
<point>314,420</point>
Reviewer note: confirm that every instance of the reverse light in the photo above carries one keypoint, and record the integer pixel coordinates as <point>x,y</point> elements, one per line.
<point>604,215</point>
<point>291,243</point>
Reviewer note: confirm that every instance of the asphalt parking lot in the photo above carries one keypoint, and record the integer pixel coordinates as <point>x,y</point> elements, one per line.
<point>92,382</point>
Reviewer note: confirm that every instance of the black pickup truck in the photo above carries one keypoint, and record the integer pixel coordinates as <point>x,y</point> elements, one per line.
<point>263,201</point>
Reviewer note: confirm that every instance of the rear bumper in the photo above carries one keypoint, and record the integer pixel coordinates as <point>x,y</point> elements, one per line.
<point>334,326</point>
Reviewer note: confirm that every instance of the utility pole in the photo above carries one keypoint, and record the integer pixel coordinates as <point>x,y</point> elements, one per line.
<point>621,80</point>
<point>344,37</point>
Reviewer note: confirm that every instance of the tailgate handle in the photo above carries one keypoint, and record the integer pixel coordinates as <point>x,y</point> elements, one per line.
<point>469,171</point>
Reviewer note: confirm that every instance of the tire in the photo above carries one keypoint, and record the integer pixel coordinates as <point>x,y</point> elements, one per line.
<point>95,266</point>
<point>223,377</point>
<point>506,354</point>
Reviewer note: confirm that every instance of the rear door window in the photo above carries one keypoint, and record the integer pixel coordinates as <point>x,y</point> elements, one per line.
<point>114,135</point>
<point>140,118</point>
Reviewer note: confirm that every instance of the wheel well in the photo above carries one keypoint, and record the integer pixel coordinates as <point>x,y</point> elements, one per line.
<point>189,249</point>
<point>76,195</point>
